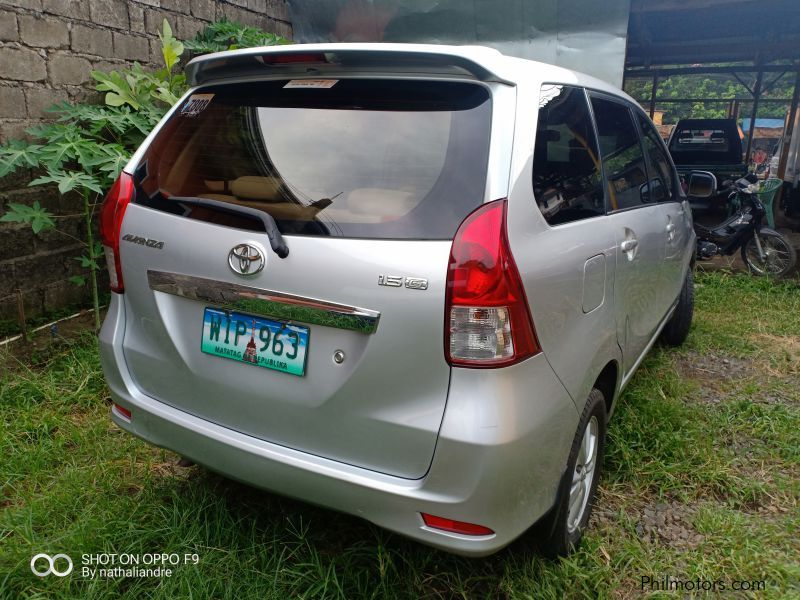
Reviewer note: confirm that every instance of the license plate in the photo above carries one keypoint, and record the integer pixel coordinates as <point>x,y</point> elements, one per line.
<point>255,340</point>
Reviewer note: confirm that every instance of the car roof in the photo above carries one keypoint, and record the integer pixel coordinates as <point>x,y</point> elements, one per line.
<point>475,62</point>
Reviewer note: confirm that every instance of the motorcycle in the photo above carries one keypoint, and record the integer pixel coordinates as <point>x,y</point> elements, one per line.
<point>764,250</point>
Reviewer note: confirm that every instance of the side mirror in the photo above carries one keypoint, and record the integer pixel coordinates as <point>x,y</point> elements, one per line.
<point>702,184</point>
<point>651,191</point>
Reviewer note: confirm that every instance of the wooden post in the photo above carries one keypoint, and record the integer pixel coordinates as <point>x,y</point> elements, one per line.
<point>653,96</point>
<point>23,326</point>
<point>756,98</point>
<point>787,136</point>
<point>789,126</point>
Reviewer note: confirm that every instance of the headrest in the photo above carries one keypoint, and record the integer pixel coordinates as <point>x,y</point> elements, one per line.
<point>255,188</point>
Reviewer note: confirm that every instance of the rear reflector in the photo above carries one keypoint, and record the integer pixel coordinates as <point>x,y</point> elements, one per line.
<point>486,310</point>
<point>123,412</point>
<point>455,526</point>
<point>111,214</point>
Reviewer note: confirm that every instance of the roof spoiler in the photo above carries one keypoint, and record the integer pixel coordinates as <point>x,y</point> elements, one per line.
<point>319,60</point>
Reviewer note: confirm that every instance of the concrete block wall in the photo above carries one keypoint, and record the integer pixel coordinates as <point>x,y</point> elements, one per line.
<point>47,50</point>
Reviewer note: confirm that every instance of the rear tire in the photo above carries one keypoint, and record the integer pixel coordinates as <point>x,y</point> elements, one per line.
<point>677,328</point>
<point>563,527</point>
<point>780,256</point>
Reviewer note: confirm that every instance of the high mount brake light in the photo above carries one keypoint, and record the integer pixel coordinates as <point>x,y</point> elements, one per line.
<point>111,214</point>
<point>295,58</point>
<point>487,317</point>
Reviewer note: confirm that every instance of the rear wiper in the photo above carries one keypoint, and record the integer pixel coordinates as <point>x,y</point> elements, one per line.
<point>276,240</point>
<point>323,203</point>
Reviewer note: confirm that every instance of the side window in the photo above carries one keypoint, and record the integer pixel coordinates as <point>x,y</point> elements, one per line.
<point>567,178</point>
<point>623,159</point>
<point>662,178</point>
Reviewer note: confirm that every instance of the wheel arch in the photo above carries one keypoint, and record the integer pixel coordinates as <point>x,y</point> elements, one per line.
<point>608,383</point>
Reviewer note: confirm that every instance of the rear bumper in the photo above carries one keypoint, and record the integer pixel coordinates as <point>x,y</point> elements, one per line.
<point>499,457</point>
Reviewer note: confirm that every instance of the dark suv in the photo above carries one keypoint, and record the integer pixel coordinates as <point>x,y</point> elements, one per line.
<point>712,145</point>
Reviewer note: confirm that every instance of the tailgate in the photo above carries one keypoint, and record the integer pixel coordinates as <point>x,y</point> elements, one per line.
<point>380,408</point>
<point>336,349</point>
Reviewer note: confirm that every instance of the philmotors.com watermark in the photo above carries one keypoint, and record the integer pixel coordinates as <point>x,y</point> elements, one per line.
<point>667,583</point>
<point>111,565</point>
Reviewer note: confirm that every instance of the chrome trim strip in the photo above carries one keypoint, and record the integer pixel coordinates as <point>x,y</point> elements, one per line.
<point>286,307</point>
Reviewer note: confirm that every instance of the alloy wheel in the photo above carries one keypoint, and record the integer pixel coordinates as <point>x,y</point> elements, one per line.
<point>583,475</point>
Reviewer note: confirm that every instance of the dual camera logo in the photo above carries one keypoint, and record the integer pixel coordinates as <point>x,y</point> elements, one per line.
<point>59,565</point>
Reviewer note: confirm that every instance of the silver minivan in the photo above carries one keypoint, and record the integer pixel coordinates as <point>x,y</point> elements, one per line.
<point>406,282</point>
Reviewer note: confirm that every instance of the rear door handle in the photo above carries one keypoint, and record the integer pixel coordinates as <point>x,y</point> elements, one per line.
<point>628,245</point>
<point>670,230</point>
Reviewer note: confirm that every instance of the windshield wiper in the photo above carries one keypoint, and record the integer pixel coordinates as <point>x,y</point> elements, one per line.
<point>276,241</point>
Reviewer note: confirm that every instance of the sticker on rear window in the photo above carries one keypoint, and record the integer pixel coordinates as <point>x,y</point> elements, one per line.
<point>311,83</point>
<point>196,104</point>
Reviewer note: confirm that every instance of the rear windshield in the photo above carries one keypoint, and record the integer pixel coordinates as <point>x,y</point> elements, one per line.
<point>708,140</point>
<point>698,144</point>
<point>357,158</point>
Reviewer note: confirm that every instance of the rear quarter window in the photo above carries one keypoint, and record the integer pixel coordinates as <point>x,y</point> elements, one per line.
<point>621,150</point>
<point>567,176</point>
<point>362,158</point>
<point>662,184</point>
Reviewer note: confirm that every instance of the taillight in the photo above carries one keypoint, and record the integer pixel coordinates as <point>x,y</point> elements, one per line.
<point>487,318</point>
<point>111,214</point>
<point>455,526</point>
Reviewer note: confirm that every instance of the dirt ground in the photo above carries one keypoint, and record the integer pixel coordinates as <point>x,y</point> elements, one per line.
<point>41,344</point>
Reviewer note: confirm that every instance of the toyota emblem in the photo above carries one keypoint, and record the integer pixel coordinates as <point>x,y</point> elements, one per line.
<point>246,259</point>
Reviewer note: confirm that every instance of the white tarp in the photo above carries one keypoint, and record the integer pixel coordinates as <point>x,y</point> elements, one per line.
<point>585,35</point>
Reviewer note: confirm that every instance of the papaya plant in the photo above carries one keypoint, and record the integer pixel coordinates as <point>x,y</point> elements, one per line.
<point>83,151</point>
<point>228,35</point>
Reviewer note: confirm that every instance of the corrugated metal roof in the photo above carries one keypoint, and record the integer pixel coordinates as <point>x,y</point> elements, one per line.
<point>672,32</point>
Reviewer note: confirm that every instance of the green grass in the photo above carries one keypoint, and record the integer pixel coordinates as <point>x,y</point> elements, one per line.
<point>723,450</point>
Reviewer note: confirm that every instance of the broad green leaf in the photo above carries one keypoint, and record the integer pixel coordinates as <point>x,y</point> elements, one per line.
<point>16,154</point>
<point>227,35</point>
<point>86,262</point>
<point>119,89</point>
<point>114,99</point>
<point>38,224</point>
<point>171,49</point>
<point>37,217</point>
<point>76,147</point>
<point>166,95</point>
<point>110,159</point>
<point>78,280</point>
<point>17,213</point>
<point>51,133</point>
<point>69,180</point>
